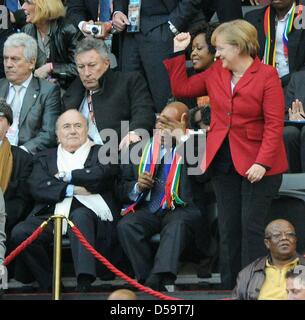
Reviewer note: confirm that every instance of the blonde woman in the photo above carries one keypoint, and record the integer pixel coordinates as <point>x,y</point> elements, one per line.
<point>56,38</point>
<point>245,151</point>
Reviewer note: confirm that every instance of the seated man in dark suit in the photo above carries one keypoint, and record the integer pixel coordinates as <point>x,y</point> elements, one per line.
<point>284,45</point>
<point>15,168</point>
<point>35,102</point>
<point>163,203</point>
<point>106,98</point>
<point>67,180</point>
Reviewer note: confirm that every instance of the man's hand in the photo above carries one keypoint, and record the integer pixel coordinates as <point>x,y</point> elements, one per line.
<point>296,111</point>
<point>44,71</point>
<point>255,173</point>
<point>81,191</point>
<point>85,27</point>
<point>131,137</point>
<point>145,182</point>
<point>105,29</point>
<point>175,128</point>
<point>120,21</point>
<point>181,41</point>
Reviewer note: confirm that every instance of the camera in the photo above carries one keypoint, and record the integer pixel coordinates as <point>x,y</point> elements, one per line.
<point>95,29</point>
<point>101,29</point>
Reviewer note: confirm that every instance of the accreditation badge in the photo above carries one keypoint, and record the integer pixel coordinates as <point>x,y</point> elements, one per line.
<point>134,9</point>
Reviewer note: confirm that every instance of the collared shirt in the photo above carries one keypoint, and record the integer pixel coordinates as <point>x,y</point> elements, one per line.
<point>274,286</point>
<point>281,62</point>
<point>92,128</point>
<point>13,131</point>
<point>11,93</point>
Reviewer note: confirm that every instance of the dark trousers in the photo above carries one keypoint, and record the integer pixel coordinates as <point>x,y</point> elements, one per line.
<point>294,139</point>
<point>176,233</point>
<point>34,264</point>
<point>242,211</point>
<point>145,53</point>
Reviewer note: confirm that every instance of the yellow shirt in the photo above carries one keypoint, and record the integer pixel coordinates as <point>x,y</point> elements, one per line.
<point>274,286</point>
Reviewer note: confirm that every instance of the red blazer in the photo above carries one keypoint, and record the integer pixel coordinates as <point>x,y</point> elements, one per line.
<point>253,116</point>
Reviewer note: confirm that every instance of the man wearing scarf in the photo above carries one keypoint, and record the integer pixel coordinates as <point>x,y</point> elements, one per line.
<point>68,180</point>
<point>160,201</point>
<point>282,45</point>
<point>15,168</point>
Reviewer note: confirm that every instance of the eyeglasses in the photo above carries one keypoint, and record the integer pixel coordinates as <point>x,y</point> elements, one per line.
<point>280,235</point>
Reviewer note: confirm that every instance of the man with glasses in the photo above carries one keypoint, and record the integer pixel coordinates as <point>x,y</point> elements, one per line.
<point>265,278</point>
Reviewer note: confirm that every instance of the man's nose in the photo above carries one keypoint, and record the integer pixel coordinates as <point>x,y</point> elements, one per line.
<point>87,71</point>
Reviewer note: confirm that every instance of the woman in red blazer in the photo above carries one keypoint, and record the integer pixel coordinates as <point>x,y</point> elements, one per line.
<point>245,151</point>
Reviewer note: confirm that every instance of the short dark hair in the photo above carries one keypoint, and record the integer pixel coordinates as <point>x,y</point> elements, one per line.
<point>207,29</point>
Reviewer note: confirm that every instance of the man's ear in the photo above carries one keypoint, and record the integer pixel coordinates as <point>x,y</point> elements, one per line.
<point>107,62</point>
<point>33,64</point>
<point>184,120</point>
<point>266,241</point>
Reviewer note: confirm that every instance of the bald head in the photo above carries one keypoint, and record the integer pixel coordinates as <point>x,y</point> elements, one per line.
<point>175,110</point>
<point>277,225</point>
<point>122,294</point>
<point>280,240</point>
<point>71,130</point>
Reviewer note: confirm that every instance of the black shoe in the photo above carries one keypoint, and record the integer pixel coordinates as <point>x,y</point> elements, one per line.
<point>161,281</point>
<point>84,283</point>
<point>153,282</point>
<point>168,282</point>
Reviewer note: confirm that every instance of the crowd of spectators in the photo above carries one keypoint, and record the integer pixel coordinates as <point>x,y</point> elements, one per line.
<point>85,85</point>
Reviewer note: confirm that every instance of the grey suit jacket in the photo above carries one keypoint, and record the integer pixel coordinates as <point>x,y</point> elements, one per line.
<point>40,109</point>
<point>2,228</point>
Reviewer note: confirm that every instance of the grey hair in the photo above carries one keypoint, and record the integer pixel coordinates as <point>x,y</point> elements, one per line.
<point>88,44</point>
<point>23,40</point>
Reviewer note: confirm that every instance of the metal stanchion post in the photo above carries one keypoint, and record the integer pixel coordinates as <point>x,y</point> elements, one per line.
<point>57,257</point>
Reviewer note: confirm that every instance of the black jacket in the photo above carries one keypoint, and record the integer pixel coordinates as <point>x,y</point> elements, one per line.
<point>181,13</point>
<point>296,41</point>
<point>82,10</point>
<point>18,201</point>
<point>64,38</point>
<point>122,97</point>
<point>95,177</point>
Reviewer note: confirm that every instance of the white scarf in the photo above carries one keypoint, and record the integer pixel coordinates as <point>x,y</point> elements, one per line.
<point>67,161</point>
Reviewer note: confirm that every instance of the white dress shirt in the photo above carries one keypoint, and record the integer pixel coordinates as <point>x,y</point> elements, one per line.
<point>13,131</point>
<point>281,62</point>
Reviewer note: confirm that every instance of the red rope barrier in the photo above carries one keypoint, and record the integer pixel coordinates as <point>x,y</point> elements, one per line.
<point>24,244</point>
<point>116,271</point>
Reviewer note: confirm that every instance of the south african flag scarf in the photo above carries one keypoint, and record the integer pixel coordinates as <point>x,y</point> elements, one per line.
<point>148,162</point>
